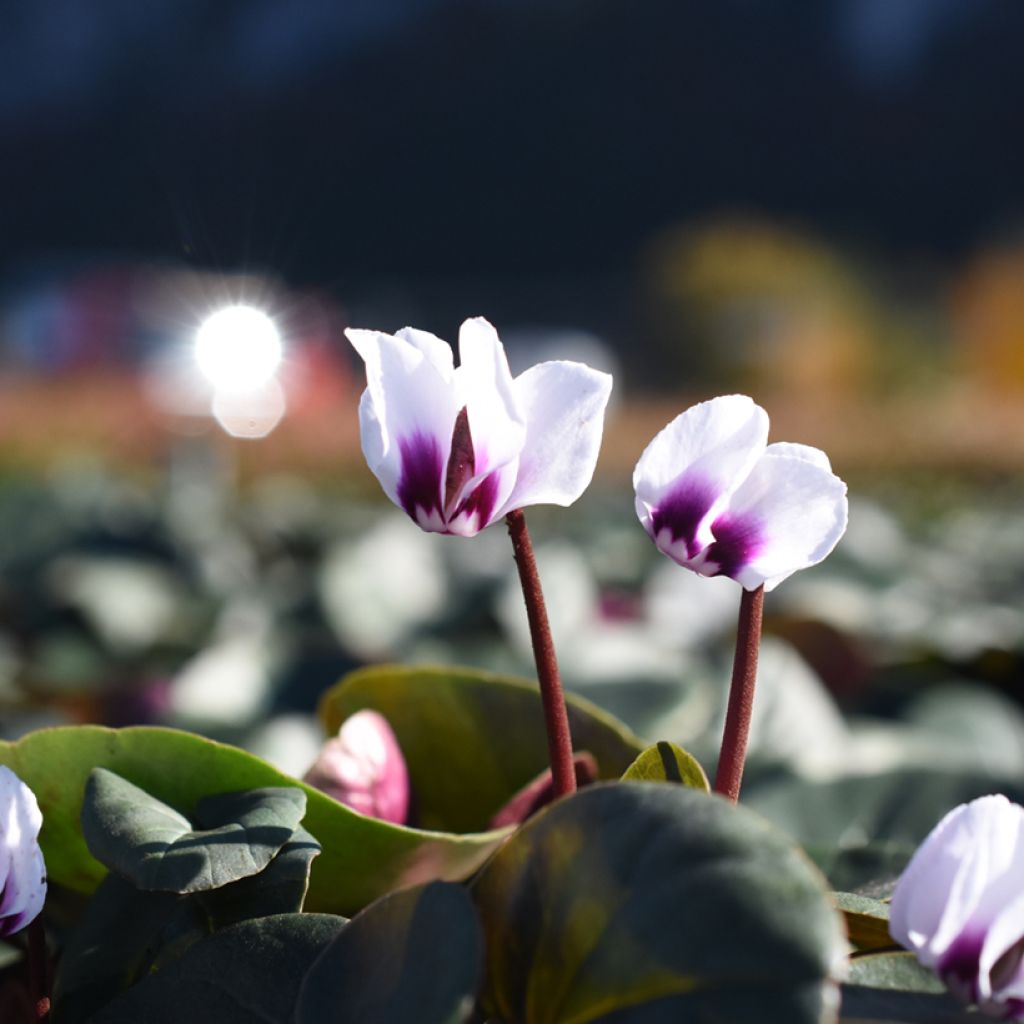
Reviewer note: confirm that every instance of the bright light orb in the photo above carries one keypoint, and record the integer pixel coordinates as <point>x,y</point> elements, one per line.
<point>238,349</point>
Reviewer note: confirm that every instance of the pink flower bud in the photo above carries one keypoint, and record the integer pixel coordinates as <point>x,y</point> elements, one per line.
<point>959,906</point>
<point>22,871</point>
<point>363,768</point>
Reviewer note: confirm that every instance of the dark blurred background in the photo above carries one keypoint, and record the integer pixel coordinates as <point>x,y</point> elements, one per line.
<point>820,195</point>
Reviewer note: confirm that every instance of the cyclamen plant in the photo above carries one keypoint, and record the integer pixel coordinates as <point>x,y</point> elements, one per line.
<point>719,500</point>
<point>458,448</point>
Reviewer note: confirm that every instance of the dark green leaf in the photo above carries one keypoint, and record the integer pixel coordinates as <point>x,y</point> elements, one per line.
<point>665,762</point>
<point>118,938</point>
<point>363,858</point>
<point>414,955</point>
<point>627,894</point>
<point>471,739</point>
<point>157,849</point>
<point>867,921</point>
<point>279,889</point>
<point>248,973</point>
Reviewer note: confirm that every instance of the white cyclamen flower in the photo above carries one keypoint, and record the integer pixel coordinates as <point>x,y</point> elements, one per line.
<point>718,499</point>
<point>959,906</point>
<point>22,872</point>
<point>458,448</point>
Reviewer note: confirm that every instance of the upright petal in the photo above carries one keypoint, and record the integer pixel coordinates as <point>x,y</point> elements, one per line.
<point>788,514</point>
<point>564,404</point>
<point>486,389</point>
<point>407,415</point>
<point>692,466</point>
<point>436,350</point>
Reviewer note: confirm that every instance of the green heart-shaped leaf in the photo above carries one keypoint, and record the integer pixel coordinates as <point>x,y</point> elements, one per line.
<point>470,738</point>
<point>414,955</point>
<point>157,849</point>
<point>626,894</point>
<point>362,858</point>
<point>665,762</point>
<point>279,889</point>
<point>249,972</point>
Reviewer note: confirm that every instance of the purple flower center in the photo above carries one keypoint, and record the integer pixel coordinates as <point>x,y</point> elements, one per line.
<point>737,539</point>
<point>420,485</point>
<point>737,542</point>
<point>958,967</point>
<point>683,510</point>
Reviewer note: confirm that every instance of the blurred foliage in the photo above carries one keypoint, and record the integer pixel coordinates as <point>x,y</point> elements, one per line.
<point>758,305</point>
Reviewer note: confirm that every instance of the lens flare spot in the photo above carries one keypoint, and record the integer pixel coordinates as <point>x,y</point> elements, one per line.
<point>238,349</point>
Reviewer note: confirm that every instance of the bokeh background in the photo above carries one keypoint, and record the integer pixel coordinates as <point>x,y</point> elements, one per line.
<point>819,203</point>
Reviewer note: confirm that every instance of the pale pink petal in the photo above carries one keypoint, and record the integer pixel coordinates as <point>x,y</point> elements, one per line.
<point>564,404</point>
<point>788,514</point>
<point>691,467</point>
<point>363,767</point>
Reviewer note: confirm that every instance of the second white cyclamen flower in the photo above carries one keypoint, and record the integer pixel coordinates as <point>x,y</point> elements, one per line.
<point>718,499</point>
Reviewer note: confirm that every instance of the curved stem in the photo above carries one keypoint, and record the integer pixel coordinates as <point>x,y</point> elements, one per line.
<point>556,718</point>
<point>741,696</point>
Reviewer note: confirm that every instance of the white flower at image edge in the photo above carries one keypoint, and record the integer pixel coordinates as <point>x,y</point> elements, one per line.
<point>959,906</point>
<point>718,499</point>
<point>22,872</point>
<point>458,448</point>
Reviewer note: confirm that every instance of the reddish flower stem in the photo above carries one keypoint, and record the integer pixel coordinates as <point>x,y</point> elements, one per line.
<point>556,718</point>
<point>741,696</point>
<point>38,967</point>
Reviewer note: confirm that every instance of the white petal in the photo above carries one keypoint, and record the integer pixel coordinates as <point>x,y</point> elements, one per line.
<point>23,888</point>
<point>564,404</point>
<point>724,436</point>
<point>705,452</point>
<point>437,351</point>
<point>800,451</point>
<point>485,388</point>
<point>1000,912</point>
<point>794,513</point>
<point>1005,932</point>
<point>407,400</point>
